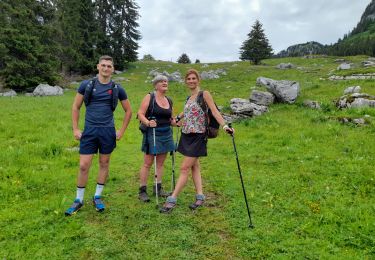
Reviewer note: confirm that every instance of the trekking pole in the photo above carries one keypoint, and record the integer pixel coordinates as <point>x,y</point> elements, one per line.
<point>239,171</point>
<point>155,167</point>
<point>172,153</point>
<point>173,182</point>
<point>175,150</point>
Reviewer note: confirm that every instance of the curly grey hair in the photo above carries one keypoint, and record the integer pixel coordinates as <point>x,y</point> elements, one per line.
<point>159,78</point>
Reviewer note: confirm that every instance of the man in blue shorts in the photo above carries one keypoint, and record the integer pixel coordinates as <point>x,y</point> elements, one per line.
<point>100,96</point>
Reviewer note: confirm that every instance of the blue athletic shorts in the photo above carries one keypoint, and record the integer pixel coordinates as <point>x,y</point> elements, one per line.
<point>98,138</point>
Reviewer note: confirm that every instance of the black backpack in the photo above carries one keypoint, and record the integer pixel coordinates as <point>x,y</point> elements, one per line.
<point>90,87</point>
<point>212,126</point>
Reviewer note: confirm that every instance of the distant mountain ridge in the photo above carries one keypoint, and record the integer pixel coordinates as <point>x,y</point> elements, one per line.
<point>308,48</point>
<point>367,19</point>
<point>361,40</point>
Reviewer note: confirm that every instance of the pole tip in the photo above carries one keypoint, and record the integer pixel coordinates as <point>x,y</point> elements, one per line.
<point>251,226</point>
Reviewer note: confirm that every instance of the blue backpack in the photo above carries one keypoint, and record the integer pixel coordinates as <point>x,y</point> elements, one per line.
<point>90,87</point>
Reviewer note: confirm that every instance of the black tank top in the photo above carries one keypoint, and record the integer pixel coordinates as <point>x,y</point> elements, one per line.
<point>162,115</point>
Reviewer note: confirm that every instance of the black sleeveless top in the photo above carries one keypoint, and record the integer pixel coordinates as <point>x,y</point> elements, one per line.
<point>163,116</point>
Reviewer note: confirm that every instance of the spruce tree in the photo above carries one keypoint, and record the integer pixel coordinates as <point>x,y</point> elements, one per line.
<point>256,47</point>
<point>118,30</point>
<point>184,58</point>
<point>26,43</point>
<point>78,31</point>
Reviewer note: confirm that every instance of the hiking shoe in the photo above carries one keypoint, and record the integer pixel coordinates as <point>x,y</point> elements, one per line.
<point>143,196</point>
<point>77,204</point>
<point>199,201</point>
<point>169,205</point>
<point>98,203</point>
<point>161,191</point>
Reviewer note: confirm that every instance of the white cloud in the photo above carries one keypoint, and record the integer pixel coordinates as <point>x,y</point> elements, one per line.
<point>214,30</point>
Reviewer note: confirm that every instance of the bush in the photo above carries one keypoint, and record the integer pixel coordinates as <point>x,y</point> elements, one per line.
<point>148,57</point>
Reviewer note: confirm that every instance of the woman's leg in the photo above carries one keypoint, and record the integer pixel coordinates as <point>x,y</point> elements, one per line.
<point>197,178</point>
<point>148,159</point>
<point>186,165</point>
<point>160,159</point>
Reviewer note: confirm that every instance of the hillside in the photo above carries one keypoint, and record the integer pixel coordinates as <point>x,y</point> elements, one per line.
<point>309,48</point>
<point>367,22</point>
<point>309,178</point>
<point>360,41</point>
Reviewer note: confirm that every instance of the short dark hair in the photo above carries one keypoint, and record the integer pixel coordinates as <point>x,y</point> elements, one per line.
<point>105,57</point>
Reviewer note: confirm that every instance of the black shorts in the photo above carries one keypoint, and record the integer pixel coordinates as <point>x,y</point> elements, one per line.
<point>193,145</point>
<point>98,138</point>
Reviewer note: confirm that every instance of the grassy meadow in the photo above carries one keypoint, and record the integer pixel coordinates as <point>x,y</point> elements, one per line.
<point>309,178</point>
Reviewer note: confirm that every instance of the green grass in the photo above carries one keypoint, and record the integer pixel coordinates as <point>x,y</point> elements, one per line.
<point>309,178</point>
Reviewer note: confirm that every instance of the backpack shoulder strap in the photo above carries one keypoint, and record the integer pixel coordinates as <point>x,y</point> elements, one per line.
<point>201,101</point>
<point>88,91</point>
<point>115,92</point>
<point>151,105</point>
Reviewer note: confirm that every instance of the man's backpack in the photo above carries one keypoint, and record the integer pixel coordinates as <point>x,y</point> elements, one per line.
<point>212,126</point>
<point>90,87</point>
<point>150,110</point>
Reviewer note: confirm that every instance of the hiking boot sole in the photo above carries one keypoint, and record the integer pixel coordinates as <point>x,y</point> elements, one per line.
<point>71,214</point>
<point>145,201</point>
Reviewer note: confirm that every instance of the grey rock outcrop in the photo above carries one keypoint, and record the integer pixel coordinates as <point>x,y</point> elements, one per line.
<point>353,77</point>
<point>262,98</point>
<point>351,90</point>
<point>285,91</point>
<point>213,74</point>
<point>356,121</point>
<point>370,62</point>
<point>344,66</point>
<point>209,75</point>
<point>10,93</point>
<point>284,66</point>
<point>356,100</point>
<point>153,73</point>
<point>311,104</point>
<point>47,90</point>
<point>246,108</point>
<point>174,76</point>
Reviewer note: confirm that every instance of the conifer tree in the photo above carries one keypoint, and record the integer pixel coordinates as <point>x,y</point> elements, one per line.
<point>256,47</point>
<point>118,30</point>
<point>26,43</point>
<point>78,31</point>
<point>184,58</point>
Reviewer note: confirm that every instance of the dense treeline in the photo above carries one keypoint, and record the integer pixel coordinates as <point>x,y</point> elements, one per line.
<point>42,39</point>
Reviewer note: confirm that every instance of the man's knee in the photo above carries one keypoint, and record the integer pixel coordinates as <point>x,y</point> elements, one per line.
<point>84,167</point>
<point>104,162</point>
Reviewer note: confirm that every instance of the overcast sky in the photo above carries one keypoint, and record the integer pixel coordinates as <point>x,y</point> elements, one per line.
<point>213,30</point>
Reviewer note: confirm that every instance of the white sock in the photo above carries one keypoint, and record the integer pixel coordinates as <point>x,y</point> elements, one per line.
<point>80,193</point>
<point>99,189</point>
